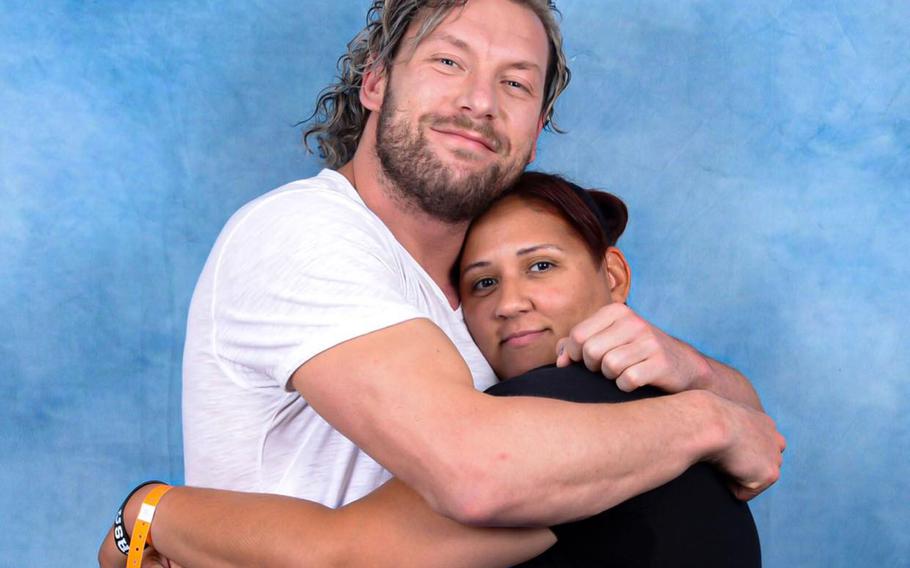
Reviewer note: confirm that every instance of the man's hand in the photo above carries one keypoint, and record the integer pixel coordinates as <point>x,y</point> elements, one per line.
<point>110,557</point>
<point>623,346</point>
<point>752,449</point>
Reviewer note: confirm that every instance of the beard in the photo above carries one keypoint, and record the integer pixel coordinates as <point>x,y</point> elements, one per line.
<point>419,178</point>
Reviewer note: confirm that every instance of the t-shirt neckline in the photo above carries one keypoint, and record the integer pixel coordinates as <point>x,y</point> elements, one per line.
<point>349,189</point>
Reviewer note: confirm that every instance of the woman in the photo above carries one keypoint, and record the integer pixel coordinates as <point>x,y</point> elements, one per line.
<point>540,260</point>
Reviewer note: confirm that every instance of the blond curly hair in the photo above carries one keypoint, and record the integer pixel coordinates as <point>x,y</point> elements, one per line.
<point>339,118</point>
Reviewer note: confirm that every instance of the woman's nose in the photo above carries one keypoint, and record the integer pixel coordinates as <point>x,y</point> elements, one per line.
<point>513,300</point>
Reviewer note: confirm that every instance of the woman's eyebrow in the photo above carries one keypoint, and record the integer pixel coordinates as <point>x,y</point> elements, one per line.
<point>475,265</point>
<point>535,248</point>
<point>520,252</point>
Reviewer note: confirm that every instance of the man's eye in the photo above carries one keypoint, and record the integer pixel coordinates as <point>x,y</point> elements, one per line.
<point>517,85</point>
<point>541,266</point>
<point>448,62</point>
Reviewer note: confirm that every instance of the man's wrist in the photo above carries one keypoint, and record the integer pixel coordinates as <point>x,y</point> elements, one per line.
<point>704,376</point>
<point>711,426</point>
<point>131,509</point>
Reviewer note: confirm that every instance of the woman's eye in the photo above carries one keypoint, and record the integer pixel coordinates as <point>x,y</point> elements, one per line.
<point>484,283</point>
<point>448,62</point>
<point>541,266</point>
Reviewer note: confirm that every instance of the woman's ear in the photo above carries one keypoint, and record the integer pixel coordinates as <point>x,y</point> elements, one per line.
<point>619,276</point>
<point>372,89</point>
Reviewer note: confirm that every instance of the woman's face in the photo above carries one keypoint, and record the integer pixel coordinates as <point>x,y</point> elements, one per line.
<point>526,279</point>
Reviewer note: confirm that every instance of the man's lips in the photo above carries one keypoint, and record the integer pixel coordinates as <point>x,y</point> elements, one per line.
<point>522,338</point>
<point>470,135</point>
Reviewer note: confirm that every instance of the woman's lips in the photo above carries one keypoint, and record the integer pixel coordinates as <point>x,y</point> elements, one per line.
<point>522,338</point>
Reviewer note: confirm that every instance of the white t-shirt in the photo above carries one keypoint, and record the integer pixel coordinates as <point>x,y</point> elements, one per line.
<point>295,272</point>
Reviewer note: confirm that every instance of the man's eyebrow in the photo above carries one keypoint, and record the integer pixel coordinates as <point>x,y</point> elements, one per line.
<point>526,66</point>
<point>449,38</point>
<point>521,64</point>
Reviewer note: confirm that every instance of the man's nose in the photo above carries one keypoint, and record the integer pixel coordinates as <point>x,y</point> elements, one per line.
<point>513,300</point>
<point>478,96</point>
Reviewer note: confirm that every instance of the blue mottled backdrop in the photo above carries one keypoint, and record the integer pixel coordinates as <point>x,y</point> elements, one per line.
<point>763,147</point>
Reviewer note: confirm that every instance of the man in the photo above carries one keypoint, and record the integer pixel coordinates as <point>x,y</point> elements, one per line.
<point>324,336</point>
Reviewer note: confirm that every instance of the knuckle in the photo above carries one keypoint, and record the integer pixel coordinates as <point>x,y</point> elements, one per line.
<point>589,351</point>
<point>608,371</point>
<point>577,336</point>
<point>774,476</point>
<point>612,362</point>
<point>649,342</point>
<point>590,358</point>
<point>633,377</point>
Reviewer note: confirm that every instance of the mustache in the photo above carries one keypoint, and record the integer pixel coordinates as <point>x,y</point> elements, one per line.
<point>492,138</point>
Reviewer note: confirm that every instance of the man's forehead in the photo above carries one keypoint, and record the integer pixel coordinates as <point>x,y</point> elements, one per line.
<point>458,22</point>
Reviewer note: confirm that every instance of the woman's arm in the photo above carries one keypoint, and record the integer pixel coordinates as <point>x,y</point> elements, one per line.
<point>393,526</point>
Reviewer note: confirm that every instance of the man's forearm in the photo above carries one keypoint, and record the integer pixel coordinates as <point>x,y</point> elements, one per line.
<point>577,461</point>
<point>551,461</point>
<point>392,526</point>
<point>727,382</point>
<point>225,529</point>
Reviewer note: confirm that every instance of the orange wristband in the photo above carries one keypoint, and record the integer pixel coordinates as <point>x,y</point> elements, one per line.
<point>143,525</point>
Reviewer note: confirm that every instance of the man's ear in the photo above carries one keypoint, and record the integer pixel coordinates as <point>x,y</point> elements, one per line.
<point>372,90</point>
<point>618,273</point>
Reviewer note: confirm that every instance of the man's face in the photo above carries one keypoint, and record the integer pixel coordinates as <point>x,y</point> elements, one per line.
<point>462,109</point>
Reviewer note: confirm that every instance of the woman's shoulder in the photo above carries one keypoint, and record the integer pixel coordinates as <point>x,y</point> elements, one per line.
<point>574,383</point>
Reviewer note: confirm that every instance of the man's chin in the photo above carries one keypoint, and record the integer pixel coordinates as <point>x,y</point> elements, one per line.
<point>460,163</point>
<point>461,173</point>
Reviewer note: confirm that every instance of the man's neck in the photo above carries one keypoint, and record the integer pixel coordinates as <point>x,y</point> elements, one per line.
<point>434,244</point>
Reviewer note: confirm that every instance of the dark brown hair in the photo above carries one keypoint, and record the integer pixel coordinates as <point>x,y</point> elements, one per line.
<point>599,228</point>
<point>598,217</point>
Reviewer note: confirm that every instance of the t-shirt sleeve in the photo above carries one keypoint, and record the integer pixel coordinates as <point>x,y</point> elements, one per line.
<point>297,276</point>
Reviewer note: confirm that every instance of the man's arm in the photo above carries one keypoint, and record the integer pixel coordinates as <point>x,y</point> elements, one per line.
<point>405,396</point>
<point>729,383</point>
<point>624,346</point>
<point>392,526</point>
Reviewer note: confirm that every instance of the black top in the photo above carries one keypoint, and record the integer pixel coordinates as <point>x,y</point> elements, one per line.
<point>693,520</point>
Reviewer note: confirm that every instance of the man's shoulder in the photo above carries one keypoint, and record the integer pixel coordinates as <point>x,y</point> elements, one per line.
<point>323,207</point>
<point>327,193</point>
<point>319,221</point>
